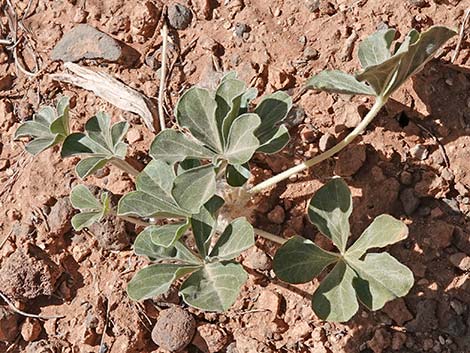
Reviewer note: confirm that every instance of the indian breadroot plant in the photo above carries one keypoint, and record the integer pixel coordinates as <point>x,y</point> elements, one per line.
<point>191,198</point>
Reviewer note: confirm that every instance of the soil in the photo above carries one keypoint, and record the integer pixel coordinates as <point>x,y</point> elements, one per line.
<point>412,163</point>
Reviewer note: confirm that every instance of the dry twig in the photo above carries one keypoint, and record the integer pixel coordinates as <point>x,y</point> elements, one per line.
<point>34,316</point>
<point>161,92</point>
<point>461,34</point>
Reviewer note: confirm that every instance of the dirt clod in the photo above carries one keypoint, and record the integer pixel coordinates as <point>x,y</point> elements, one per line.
<point>461,261</point>
<point>398,311</point>
<point>30,329</point>
<point>111,233</point>
<point>29,273</point>
<point>179,16</point>
<point>210,338</point>
<point>277,215</point>
<point>409,201</point>
<point>8,325</point>
<point>350,160</point>
<point>174,329</point>
<point>59,217</point>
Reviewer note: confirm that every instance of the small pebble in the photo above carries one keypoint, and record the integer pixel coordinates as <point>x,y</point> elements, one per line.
<point>179,16</point>
<point>419,151</point>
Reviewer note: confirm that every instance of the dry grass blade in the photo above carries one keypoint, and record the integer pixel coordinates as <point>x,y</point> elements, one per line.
<point>111,90</point>
<point>461,34</point>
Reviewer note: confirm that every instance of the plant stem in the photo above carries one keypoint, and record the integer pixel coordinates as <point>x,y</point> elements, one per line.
<point>359,129</point>
<point>269,236</point>
<point>124,166</point>
<point>161,114</point>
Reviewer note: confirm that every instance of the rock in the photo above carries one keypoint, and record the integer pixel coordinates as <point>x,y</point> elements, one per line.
<point>86,42</point>
<point>398,311</point>
<point>460,260</point>
<point>29,273</point>
<point>419,152</point>
<point>418,3</point>
<point>269,301</point>
<point>406,178</point>
<point>398,340</point>
<point>409,201</point>
<point>327,8</point>
<point>133,135</point>
<point>425,319</point>
<point>144,18</point>
<point>441,234</point>
<point>31,329</point>
<point>462,240</point>
<point>308,134</point>
<point>277,215</point>
<point>209,338</point>
<point>350,160</point>
<point>346,116</point>
<point>380,342</point>
<point>111,233</point>
<point>59,218</point>
<point>174,329</point>
<point>312,5</point>
<point>240,29</point>
<point>257,259</point>
<point>205,8</point>
<point>461,189</point>
<point>8,325</point>
<point>326,142</point>
<point>310,54</point>
<point>179,16</point>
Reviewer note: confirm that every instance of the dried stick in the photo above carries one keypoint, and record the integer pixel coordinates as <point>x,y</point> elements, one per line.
<point>18,311</point>
<point>461,34</point>
<point>161,92</point>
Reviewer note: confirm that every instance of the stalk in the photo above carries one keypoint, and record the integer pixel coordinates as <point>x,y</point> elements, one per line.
<point>359,129</point>
<point>124,166</point>
<point>269,236</point>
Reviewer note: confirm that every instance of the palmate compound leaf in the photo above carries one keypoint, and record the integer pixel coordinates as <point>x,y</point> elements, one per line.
<point>375,280</point>
<point>222,129</point>
<point>160,192</point>
<point>416,50</point>
<point>100,143</point>
<point>384,71</point>
<point>48,127</point>
<point>91,209</point>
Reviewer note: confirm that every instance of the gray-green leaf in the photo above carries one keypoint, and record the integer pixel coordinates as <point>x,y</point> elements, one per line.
<point>376,48</point>
<point>165,235</point>
<point>194,187</point>
<point>300,260</point>
<point>196,111</point>
<point>329,209</point>
<point>155,280</point>
<point>241,141</point>
<point>174,146</point>
<point>237,237</point>
<point>214,287</point>
<point>381,279</point>
<point>384,230</point>
<point>335,299</point>
<point>339,82</point>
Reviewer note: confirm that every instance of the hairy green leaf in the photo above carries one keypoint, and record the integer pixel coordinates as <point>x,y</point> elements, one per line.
<point>339,82</point>
<point>228,97</point>
<point>277,142</point>
<point>384,230</point>
<point>92,210</point>
<point>204,224</point>
<point>335,298</point>
<point>329,209</point>
<point>85,219</point>
<point>89,165</point>
<point>237,174</point>
<point>82,198</point>
<point>100,139</point>
<point>194,187</point>
<point>300,260</point>
<point>272,109</point>
<point>173,146</point>
<point>214,287</point>
<point>241,140</point>
<point>196,111</point>
<point>48,127</point>
<point>165,235</point>
<point>381,279</point>
<point>237,237</point>
<point>375,49</point>
<point>155,280</point>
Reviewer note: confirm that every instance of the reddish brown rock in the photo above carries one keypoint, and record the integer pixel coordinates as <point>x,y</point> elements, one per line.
<point>398,311</point>
<point>174,329</point>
